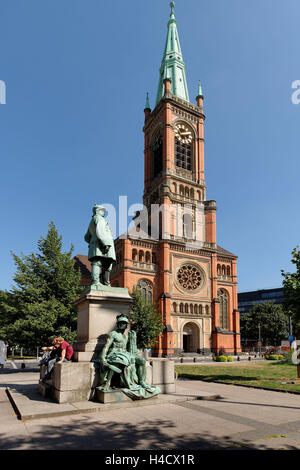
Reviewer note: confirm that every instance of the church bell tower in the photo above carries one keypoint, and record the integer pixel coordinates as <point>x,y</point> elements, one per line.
<point>178,264</point>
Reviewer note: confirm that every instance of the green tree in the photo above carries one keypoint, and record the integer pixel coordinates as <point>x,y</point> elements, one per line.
<point>291,290</point>
<point>146,321</point>
<point>274,323</point>
<point>40,305</point>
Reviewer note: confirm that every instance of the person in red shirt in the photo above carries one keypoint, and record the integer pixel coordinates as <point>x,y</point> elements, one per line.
<point>61,351</point>
<point>64,349</point>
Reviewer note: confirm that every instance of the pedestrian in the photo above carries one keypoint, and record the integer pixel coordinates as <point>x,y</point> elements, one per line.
<point>61,351</point>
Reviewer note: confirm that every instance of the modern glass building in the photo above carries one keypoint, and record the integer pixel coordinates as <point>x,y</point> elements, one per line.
<point>246,300</point>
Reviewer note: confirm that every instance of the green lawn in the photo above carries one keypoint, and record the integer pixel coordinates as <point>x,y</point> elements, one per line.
<point>269,374</point>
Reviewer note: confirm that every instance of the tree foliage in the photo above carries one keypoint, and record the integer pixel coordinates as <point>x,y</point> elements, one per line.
<point>40,304</point>
<point>291,289</point>
<point>274,323</point>
<point>146,321</point>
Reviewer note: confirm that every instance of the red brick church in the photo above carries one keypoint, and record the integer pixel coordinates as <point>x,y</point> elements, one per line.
<point>172,254</point>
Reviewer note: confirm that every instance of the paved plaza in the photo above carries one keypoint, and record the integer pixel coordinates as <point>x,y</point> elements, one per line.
<point>200,415</point>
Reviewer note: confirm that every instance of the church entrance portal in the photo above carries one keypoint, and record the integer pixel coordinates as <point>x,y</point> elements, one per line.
<point>190,337</point>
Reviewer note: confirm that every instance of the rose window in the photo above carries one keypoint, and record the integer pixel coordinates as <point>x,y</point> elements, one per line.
<point>189,277</point>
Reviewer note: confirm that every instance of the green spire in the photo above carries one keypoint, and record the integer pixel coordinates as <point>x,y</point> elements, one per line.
<point>172,65</point>
<point>147,106</point>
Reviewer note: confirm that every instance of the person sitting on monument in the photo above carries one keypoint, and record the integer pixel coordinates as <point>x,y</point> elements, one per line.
<point>101,252</point>
<point>61,351</point>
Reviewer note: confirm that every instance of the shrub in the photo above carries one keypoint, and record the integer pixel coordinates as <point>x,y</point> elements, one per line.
<point>274,357</point>
<point>229,359</point>
<point>221,359</point>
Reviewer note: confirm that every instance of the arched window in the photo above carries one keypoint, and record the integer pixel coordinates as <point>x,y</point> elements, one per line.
<point>183,147</point>
<point>228,270</point>
<point>156,155</point>
<point>187,221</point>
<point>141,256</point>
<point>207,310</point>
<point>181,308</point>
<point>196,309</point>
<point>223,298</point>
<point>191,308</point>
<point>148,257</point>
<point>174,307</point>
<point>145,287</point>
<point>223,270</point>
<point>186,308</point>
<point>134,255</point>
<point>219,270</point>
<point>200,309</point>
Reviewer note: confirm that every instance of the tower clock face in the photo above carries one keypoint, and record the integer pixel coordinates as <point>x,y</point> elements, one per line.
<point>183,133</point>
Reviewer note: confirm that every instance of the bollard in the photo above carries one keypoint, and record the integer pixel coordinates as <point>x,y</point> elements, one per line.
<point>249,358</point>
<point>238,358</point>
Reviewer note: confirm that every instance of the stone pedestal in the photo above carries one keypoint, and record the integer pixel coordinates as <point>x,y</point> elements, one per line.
<point>161,373</point>
<point>111,396</point>
<point>96,317</point>
<point>70,382</point>
<point>77,381</point>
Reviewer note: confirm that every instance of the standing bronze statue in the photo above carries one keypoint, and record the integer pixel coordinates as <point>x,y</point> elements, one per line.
<point>101,248</point>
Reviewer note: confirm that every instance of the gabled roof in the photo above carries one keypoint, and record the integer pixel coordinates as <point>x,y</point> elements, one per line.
<point>82,262</point>
<point>222,251</point>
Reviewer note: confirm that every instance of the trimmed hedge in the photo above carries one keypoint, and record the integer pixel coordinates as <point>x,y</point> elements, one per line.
<point>274,357</point>
<point>223,358</point>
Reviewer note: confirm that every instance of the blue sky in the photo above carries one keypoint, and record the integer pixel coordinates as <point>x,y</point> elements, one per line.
<point>76,75</point>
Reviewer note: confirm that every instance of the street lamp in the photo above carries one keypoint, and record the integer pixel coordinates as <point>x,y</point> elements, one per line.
<point>259,340</point>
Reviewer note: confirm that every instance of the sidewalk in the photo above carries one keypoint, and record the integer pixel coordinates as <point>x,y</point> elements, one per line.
<point>29,404</point>
<point>241,419</point>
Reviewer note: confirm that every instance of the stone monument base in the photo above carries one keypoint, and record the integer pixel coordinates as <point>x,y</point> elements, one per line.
<point>111,396</point>
<point>96,317</point>
<point>78,381</point>
<point>70,382</point>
